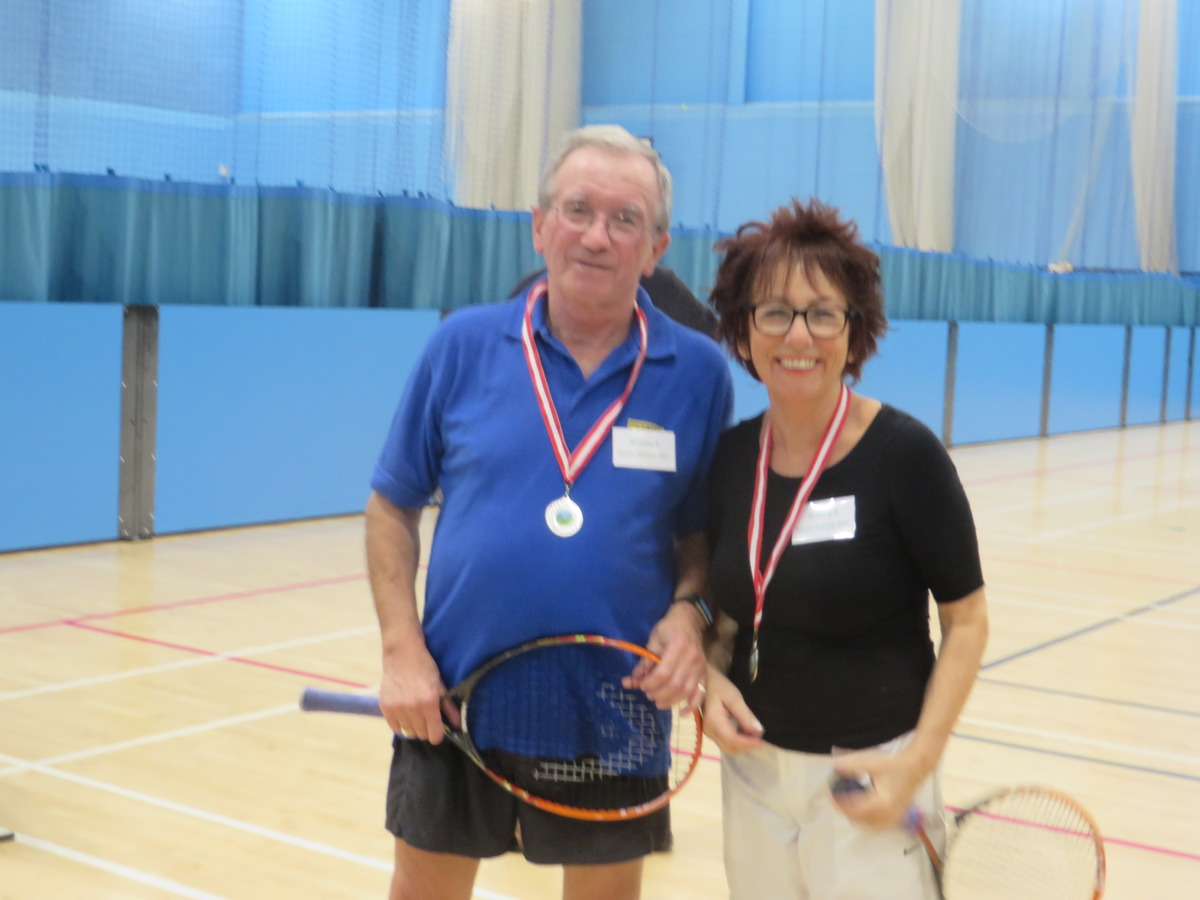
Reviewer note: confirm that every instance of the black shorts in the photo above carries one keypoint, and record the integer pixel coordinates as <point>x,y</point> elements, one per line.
<point>438,800</point>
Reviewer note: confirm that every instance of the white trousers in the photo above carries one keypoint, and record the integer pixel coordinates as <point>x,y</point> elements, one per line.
<point>786,840</point>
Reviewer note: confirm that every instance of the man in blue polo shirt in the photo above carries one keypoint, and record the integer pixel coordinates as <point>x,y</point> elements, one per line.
<point>569,430</point>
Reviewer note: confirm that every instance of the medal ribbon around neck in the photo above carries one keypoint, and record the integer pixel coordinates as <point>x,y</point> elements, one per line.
<point>571,464</point>
<point>754,535</point>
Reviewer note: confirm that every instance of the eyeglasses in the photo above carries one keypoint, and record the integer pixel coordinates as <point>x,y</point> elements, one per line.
<point>625,226</point>
<point>775,319</point>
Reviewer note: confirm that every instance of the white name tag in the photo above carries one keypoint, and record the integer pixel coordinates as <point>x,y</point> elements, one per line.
<point>643,448</point>
<point>826,520</point>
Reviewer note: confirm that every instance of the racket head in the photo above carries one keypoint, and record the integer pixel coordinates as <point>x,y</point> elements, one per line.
<point>550,722</point>
<point>1027,842</point>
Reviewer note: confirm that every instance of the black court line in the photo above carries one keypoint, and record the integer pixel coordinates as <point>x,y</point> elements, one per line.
<point>1088,629</point>
<point>1166,773</point>
<point>1112,701</point>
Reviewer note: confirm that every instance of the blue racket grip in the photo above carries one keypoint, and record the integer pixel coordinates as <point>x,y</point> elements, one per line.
<point>847,784</point>
<point>313,700</point>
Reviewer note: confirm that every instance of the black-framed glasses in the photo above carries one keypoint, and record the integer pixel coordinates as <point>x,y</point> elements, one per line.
<point>624,226</point>
<point>775,319</point>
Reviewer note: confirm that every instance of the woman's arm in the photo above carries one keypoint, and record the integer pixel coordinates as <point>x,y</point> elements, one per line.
<point>964,626</point>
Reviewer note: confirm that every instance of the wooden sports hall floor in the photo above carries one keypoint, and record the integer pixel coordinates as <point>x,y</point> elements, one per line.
<point>150,744</point>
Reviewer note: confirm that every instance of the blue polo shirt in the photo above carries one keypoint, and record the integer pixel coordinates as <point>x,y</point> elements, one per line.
<point>469,422</point>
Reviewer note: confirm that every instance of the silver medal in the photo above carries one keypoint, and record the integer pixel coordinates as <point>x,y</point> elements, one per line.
<point>564,517</point>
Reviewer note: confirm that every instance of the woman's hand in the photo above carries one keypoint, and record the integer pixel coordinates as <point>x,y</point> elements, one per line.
<point>728,721</point>
<point>892,784</point>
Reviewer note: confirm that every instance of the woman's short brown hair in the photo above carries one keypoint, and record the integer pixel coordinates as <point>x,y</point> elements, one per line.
<point>813,236</point>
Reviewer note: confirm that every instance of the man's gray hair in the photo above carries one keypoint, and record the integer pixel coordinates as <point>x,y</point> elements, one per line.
<point>618,140</point>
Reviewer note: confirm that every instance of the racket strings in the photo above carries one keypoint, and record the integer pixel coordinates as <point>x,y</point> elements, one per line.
<point>558,723</point>
<point>624,720</point>
<point>1025,844</point>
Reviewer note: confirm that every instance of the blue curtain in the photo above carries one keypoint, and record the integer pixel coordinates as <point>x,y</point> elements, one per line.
<point>88,239</point>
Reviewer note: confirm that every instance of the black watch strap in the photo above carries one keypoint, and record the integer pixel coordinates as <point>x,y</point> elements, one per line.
<point>701,606</point>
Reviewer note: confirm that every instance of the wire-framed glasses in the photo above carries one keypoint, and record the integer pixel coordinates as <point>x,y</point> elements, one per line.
<point>624,226</point>
<point>775,319</point>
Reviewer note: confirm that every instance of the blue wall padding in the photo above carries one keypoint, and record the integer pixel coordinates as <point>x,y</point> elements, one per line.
<point>275,414</point>
<point>1085,382</point>
<point>998,382</point>
<point>1146,375</point>
<point>909,371</point>
<point>60,416</point>
<point>1194,394</point>
<point>1177,375</point>
<point>749,395</point>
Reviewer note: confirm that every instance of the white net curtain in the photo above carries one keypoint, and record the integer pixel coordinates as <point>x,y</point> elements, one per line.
<point>1024,131</point>
<point>1066,123</point>
<point>512,88</point>
<point>1033,132</point>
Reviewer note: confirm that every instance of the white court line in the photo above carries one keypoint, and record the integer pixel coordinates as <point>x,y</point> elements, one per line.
<point>1072,497</point>
<point>215,819</point>
<point>1111,520</point>
<point>1112,546</point>
<point>1179,605</point>
<point>155,881</point>
<point>1099,615</point>
<point>101,749</point>
<point>203,815</point>
<point>1090,525</point>
<point>150,739</point>
<point>186,663</point>
<point>112,868</point>
<point>44,767</point>
<point>1087,742</point>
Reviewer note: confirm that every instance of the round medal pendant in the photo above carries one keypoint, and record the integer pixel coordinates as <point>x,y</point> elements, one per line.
<point>564,517</point>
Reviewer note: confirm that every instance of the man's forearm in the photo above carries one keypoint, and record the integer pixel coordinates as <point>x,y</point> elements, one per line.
<point>393,546</point>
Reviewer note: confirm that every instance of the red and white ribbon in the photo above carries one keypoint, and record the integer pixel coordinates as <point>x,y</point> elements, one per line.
<point>754,535</point>
<point>572,463</point>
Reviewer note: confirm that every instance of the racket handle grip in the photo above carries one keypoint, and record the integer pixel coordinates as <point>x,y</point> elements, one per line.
<point>313,700</point>
<point>845,784</point>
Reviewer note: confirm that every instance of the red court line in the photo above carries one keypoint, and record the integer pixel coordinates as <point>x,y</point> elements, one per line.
<point>201,652</point>
<point>1118,842</point>
<point>179,604</point>
<point>1148,848</point>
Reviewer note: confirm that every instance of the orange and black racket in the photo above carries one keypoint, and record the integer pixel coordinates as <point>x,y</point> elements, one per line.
<point>1019,843</point>
<point>550,722</point>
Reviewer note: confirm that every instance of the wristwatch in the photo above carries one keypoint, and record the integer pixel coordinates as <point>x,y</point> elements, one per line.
<point>701,606</point>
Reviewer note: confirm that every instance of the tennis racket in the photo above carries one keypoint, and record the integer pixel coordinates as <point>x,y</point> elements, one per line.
<point>550,722</point>
<point>1019,843</point>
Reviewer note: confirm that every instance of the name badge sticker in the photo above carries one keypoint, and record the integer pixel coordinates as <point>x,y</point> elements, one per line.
<point>826,520</point>
<point>643,448</point>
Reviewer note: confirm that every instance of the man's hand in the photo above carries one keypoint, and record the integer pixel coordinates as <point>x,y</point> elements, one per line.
<point>412,697</point>
<point>679,676</point>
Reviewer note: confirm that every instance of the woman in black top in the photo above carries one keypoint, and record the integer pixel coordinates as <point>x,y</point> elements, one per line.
<point>833,519</point>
